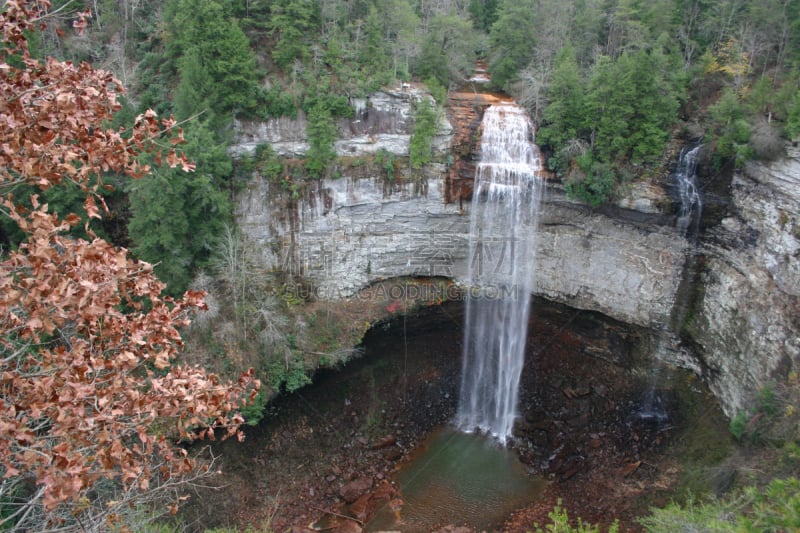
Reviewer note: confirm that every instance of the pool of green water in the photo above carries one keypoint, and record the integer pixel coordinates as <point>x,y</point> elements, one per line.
<point>461,479</point>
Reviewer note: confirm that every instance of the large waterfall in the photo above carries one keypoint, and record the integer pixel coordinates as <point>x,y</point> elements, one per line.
<point>501,274</point>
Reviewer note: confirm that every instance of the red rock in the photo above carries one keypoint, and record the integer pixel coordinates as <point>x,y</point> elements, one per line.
<point>359,507</point>
<point>392,454</point>
<point>386,441</point>
<point>348,526</point>
<point>355,489</point>
<point>384,491</point>
<point>630,468</point>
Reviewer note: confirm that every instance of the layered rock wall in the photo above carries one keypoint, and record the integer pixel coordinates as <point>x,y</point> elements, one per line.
<point>747,319</point>
<point>738,307</point>
<point>383,121</point>
<point>348,233</point>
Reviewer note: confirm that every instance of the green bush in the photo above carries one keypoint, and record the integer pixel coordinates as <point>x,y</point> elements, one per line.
<point>775,509</point>
<point>761,424</point>
<point>289,373</point>
<point>275,102</point>
<point>387,162</point>
<point>437,90</point>
<point>560,523</point>
<point>253,412</point>
<point>595,184</point>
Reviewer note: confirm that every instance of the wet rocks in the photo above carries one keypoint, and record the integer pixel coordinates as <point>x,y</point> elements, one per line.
<point>348,526</point>
<point>745,316</point>
<point>388,440</point>
<point>355,489</point>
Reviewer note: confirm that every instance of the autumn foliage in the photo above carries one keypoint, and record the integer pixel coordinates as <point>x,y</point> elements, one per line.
<point>91,388</point>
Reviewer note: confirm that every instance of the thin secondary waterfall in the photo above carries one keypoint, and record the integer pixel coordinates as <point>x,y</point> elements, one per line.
<point>688,223</point>
<point>686,177</point>
<point>505,204</point>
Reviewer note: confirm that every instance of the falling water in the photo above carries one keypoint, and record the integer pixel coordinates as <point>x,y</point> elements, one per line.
<point>501,272</point>
<point>688,223</point>
<point>686,177</point>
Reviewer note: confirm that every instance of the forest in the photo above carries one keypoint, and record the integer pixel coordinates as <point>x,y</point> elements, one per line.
<point>611,84</point>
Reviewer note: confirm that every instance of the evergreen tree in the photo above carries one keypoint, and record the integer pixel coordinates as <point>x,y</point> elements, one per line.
<point>295,23</point>
<point>483,13</point>
<point>513,39</point>
<point>177,216</point>
<point>401,33</point>
<point>730,130</point>
<point>564,115</point>
<point>610,103</point>
<point>631,107</point>
<point>216,66</point>
<point>374,56</point>
<point>448,53</point>
<point>793,122</point>
<point>321,131</point>
<point>425,123</point>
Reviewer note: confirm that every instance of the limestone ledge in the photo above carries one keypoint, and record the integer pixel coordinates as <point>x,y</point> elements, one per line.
<point>382,121</point>
<point>346,234</point>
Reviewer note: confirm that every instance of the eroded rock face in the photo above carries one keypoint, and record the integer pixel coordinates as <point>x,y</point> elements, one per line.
<point>747,323</point>
<point>628,270</point>
<point>383,121</point>
<point>348,233</point>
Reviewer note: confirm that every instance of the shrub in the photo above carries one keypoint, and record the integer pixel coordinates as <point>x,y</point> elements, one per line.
<point>775,509</point>
<point>561,523</point>
<point>593,184</point>
<point>765,141</point>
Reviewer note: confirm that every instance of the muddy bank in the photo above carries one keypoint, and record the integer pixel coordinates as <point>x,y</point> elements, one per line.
<point>329,450</point>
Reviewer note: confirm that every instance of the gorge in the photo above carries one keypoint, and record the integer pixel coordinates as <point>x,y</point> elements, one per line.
<point>625,261</point>
<point>666,295</point>
<point>312,226</point>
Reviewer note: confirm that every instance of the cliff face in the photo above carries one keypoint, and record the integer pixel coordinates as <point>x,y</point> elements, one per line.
<point>738,306</point>
<point>383,121</point>
<point>348,233</point>
<point>746,321</point>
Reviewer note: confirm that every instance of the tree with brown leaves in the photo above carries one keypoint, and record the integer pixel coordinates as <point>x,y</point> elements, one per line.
<point>93,399</point>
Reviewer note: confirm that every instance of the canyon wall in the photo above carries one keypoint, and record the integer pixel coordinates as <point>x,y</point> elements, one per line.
<point>746,315</point>
<point>738,306</point>
<point>347,233</point>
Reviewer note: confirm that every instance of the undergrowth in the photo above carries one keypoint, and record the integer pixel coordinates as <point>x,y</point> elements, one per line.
<point>769,436</point>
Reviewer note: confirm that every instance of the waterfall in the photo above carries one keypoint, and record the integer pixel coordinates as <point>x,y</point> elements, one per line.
<point>686,177</point>
<point>505,203</point>
<point>688,223</point>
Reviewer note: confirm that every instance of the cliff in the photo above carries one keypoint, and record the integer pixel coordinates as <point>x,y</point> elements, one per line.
<point>746,315</point>
<point>733,295</point>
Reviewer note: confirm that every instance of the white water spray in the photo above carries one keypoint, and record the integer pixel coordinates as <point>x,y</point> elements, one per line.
<point>505,205</point>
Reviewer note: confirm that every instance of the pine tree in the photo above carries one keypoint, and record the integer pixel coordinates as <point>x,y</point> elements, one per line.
<point>513,39</point>
<point>425,122</point>
<point>178,217</point>
<point>216,66</point>
<point>564,115</point>
<point>294,22</point>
